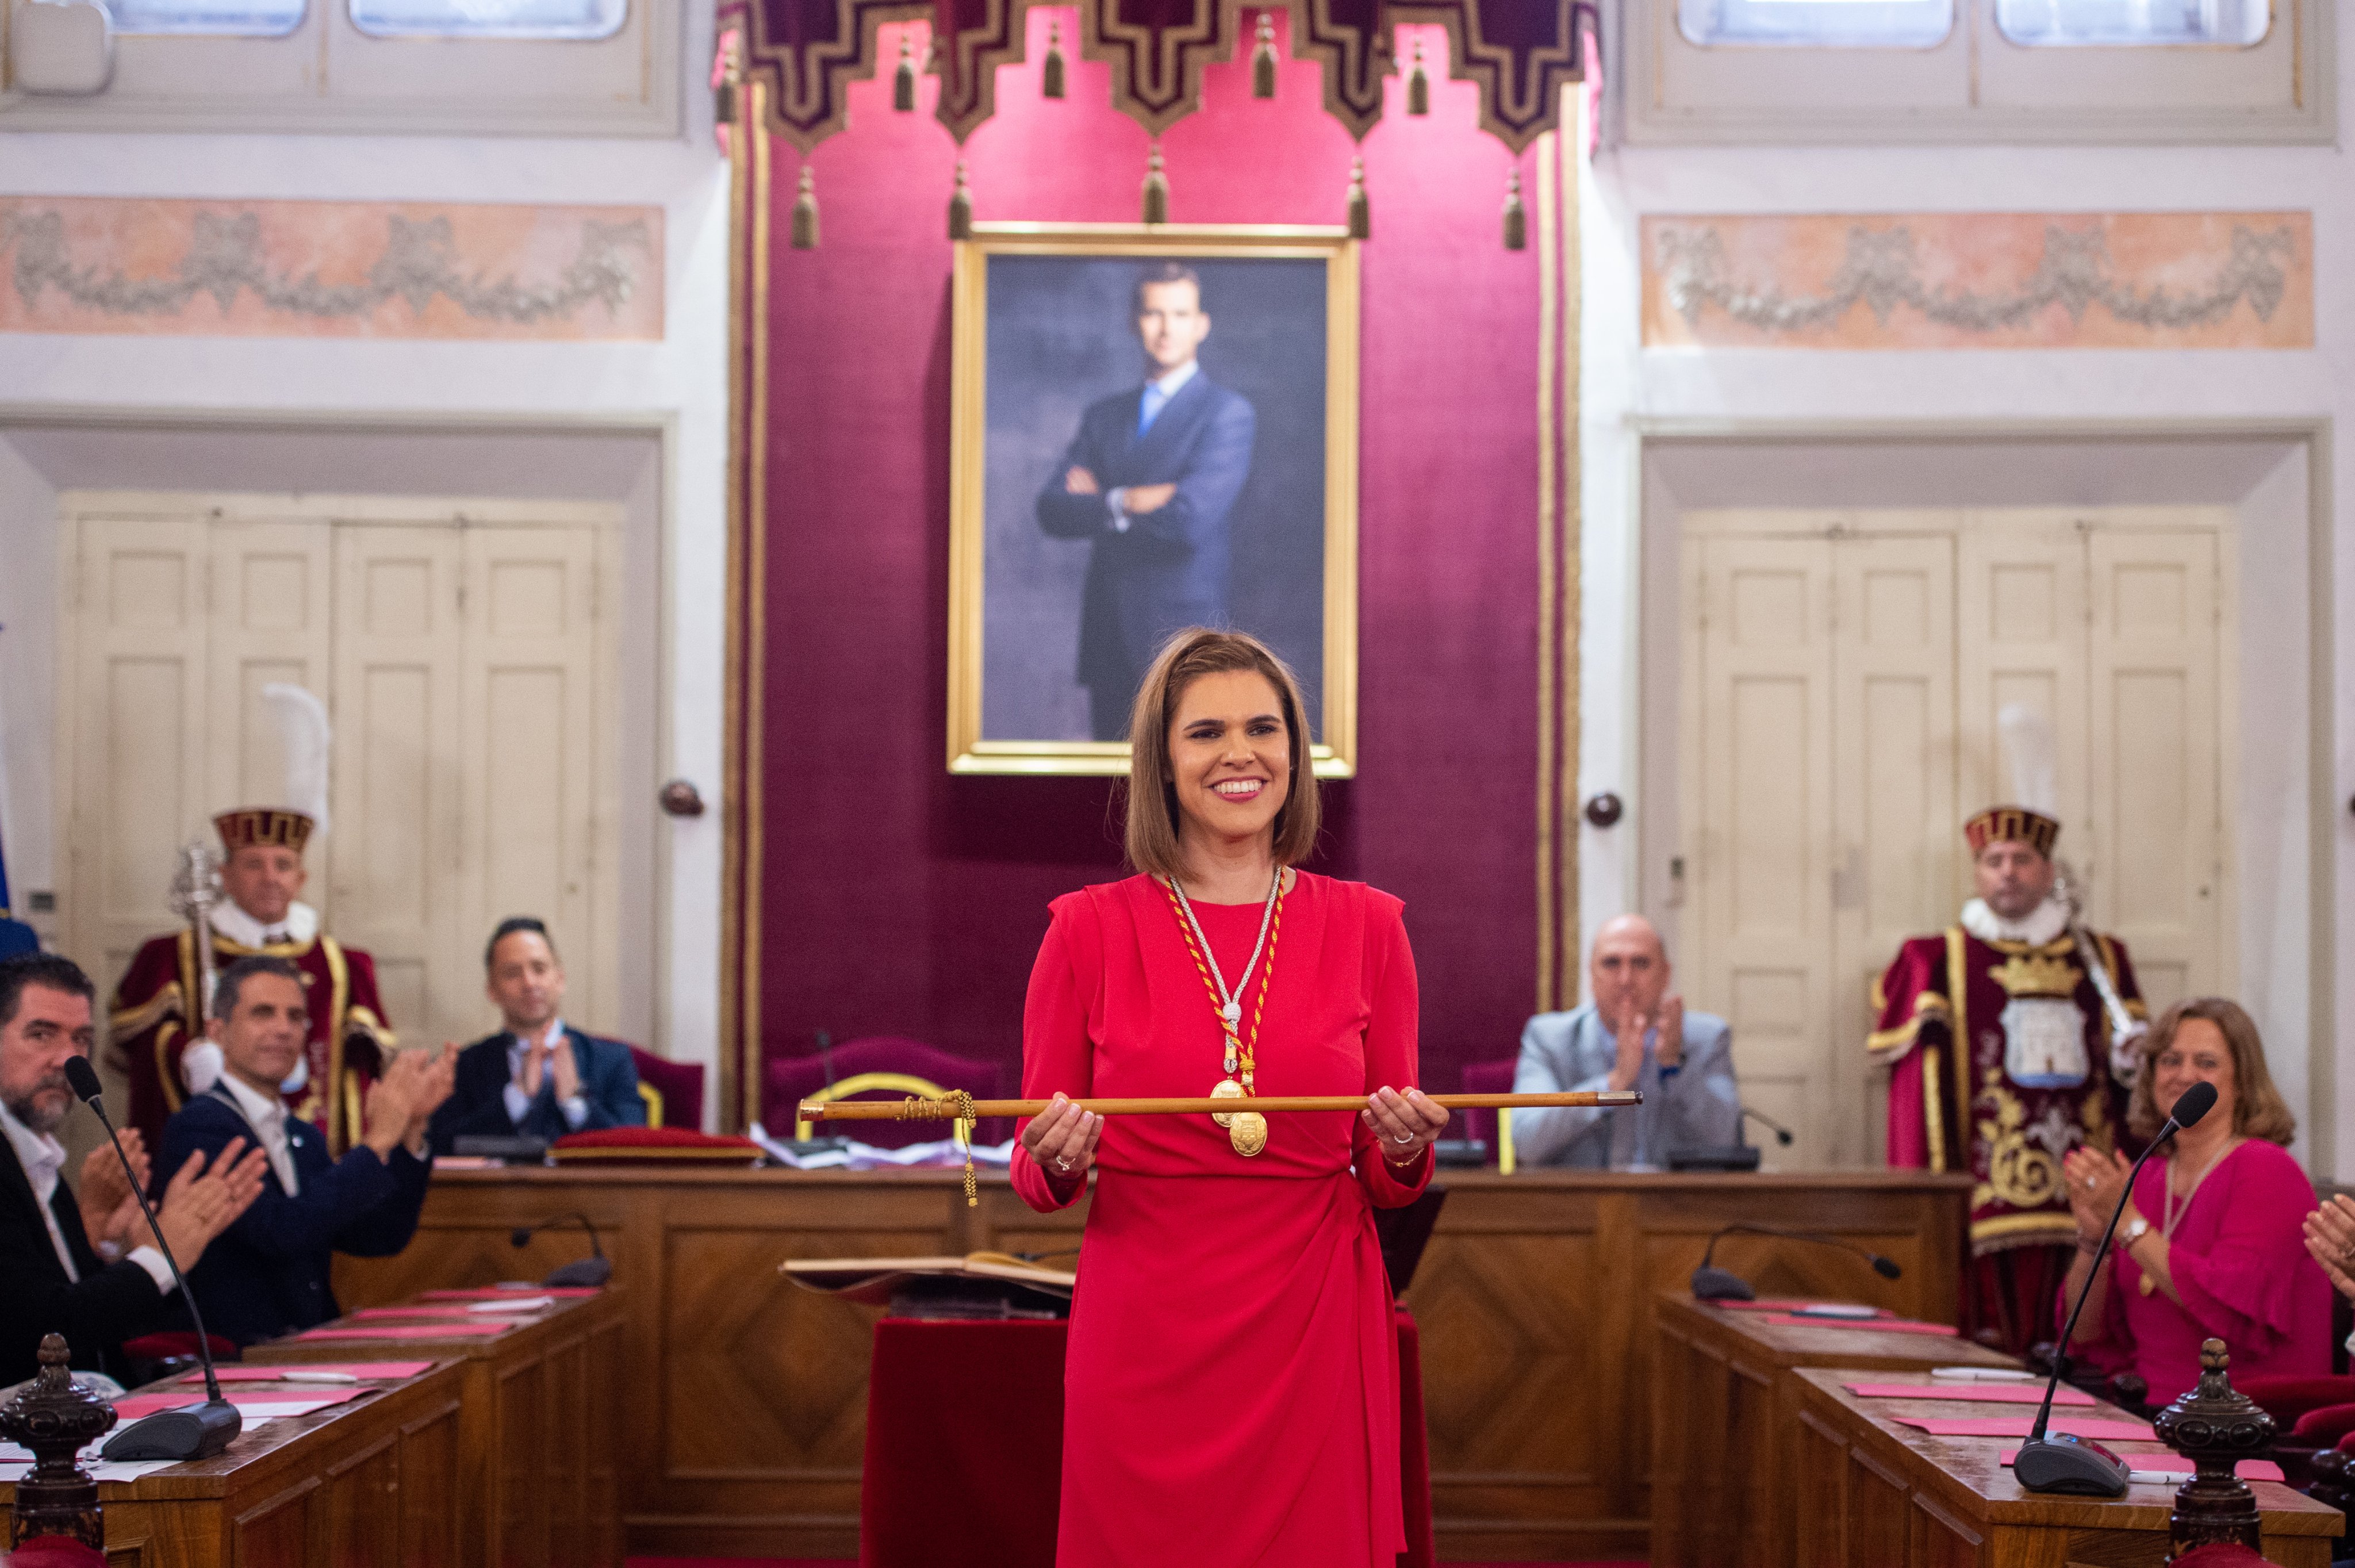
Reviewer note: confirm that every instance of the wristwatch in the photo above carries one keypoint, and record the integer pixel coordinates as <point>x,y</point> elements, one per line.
<point>2133,1234</point>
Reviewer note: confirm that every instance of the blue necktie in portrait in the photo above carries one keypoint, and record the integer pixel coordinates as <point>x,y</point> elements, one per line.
<point>1149,407</point>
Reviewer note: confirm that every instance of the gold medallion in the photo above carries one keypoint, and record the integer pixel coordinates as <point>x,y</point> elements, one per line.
<point>1249,1133</point>
<point>1227,1089</point>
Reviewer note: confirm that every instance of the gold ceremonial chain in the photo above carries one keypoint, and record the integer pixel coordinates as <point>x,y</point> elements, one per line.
<point>1246,1130</point>
<point>955,1107</point>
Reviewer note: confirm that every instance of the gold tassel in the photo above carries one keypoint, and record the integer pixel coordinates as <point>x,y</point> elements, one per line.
<point>1361,223</point>
<point>805,212</point>
<point>1418,86</point>
<point>1157,189</point>
<point>1263,59</point>
<point>1516,220</point>
<point>960,208</point>
<point>903,82</point>
<point>1051,86</point>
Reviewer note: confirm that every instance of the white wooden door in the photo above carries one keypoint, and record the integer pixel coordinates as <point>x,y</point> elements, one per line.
<point>135,730</point>
<point>1759,681</point>
<point>271,622</point>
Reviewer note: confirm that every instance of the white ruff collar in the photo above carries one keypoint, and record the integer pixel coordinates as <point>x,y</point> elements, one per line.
<point>2043,924</point>
<point>301,924</point>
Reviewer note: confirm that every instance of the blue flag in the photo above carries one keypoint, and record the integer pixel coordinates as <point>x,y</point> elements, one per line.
<point>16,937</point>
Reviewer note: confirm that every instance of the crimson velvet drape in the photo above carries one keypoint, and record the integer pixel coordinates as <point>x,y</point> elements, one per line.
<point>964,1446</point>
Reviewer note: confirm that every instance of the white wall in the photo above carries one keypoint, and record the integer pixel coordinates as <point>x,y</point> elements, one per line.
<point>1625,389</point>
<point>672,392</point>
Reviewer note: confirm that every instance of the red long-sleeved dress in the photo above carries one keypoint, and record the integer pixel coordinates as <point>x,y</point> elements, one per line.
<point>1230,1389</point>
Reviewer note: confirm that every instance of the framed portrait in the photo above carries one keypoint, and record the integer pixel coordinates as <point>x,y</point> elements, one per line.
<point>1151,427</point>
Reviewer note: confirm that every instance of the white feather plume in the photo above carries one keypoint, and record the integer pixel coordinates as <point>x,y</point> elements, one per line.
<point>302,720</point>
<point>2028,741</point>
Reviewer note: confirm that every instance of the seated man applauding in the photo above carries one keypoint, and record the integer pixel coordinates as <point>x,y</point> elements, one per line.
<point>540,1077</point>
<point>267,1273</point>
<point>54,1277</point>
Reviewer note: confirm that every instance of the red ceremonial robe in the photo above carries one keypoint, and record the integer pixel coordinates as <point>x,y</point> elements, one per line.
<point>1231,1389</point>
<point>149,1028</point>
<point>1968,1109</point>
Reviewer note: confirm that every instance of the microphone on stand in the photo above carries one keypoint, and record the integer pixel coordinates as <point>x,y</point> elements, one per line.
<point>1782,1134</point>
<point>2078,1466</point>
<point>1712,1283</point>
<point>200,1431</point>
<point>596,1269</point>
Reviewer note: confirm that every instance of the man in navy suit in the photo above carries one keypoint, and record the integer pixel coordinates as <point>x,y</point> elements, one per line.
<point>94,1276</point>
<point>539,1077</point>
<point>267,1273</point>
<point>1150,480</point>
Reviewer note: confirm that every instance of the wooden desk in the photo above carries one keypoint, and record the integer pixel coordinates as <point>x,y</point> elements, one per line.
<point>1534,1299</point>
<point>1724,1406</point>
<point>537,1484</point>
<point>365,1484</point>
<point>1873,1494</point>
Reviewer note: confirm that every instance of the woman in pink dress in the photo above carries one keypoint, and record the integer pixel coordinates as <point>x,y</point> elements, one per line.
<point>2211,1244</point>
<point>1230,1388</point>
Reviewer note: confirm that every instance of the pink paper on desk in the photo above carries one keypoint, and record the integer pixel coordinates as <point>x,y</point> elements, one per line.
<point>2176,1465</point>
<point>139,1405</point>
<point>493,1292</point>
<point>1792,1304</point>
<point>452,1312</point>
<point>1979,1393</point>
<point>2101,1431</point>
<point>473,1330</point>
<point>370,1370</point>
<point>1885,1325</point>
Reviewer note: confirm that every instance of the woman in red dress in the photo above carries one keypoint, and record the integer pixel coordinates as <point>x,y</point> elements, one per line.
<point>1230,1391</point>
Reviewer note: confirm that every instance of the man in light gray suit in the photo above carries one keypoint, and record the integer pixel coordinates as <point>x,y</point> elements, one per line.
<point>1632,1035</point>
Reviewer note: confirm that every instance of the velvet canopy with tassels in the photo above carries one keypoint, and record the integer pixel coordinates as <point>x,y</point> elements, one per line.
<point>1519,52</point>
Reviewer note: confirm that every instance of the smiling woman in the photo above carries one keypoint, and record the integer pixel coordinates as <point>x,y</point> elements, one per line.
<point>1218,1243</point>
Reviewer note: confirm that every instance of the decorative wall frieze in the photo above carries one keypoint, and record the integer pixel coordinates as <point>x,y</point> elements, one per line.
<point>305,269</point>
<point>2162,280</point>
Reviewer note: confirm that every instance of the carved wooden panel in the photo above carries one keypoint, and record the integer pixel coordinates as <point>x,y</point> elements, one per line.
<point>363,1508</point>
<point>1821,1466</point>
<point>429,1480</point>
<point>277,1531</point>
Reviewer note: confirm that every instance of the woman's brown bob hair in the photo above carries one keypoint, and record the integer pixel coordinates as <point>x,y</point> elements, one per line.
<point>1152,834</point>
<point>2258,1109</point>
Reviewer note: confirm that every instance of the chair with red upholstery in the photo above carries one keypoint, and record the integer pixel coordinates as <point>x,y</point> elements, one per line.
<point>673,1090</point>
<point>910,1066</point>
<point>1487,1078</point>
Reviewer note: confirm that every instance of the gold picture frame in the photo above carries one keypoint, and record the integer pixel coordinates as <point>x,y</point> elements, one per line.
<point>1335,687</point>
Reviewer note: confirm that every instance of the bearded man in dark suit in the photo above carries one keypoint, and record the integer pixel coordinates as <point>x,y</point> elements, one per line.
<point>1150,481</point>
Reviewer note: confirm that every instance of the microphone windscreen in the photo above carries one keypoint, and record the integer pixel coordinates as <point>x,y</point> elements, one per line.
<point>83,1077</point>
<point>1887,1267</point>
<point>2196,1102</point>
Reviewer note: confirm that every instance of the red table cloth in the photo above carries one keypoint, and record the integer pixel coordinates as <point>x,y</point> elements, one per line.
<point>964,1444</point>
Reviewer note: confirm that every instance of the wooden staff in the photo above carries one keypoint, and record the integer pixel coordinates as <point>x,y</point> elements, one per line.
<point>957,1108</point>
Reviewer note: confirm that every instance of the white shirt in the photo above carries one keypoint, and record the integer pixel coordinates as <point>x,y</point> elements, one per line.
<point>266,1114</point>
<point>1157,393</point>
<point>44,1159</point>
<point>574,1106</point>
<point>229,921</point>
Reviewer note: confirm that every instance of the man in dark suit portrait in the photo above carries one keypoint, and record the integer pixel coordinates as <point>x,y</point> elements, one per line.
<point>539,1077</point>
<point>268,1273</point>
<point>1150,480</point>
<point>95,1278</point>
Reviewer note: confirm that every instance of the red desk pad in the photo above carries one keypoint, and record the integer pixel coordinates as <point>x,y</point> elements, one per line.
<point>1793,1303</point>
<point>2096,1427</point>
<point>471,1330</point>
<point>454,1313</point>
<point>139,1405</point>
<point>1977,1394</point>
<point>495,1293</point>
<point>2176,1465</point>
<point>372,1370</point>
<point>1882,1325</point>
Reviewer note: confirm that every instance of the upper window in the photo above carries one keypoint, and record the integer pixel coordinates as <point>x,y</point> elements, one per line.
<point>490,19</point>
<point>1889,24</point>
<point>2134,21</point>
<point>242,19</point>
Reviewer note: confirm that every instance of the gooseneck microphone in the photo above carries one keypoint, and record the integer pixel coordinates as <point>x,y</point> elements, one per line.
<point>198,1431</point>
<point>1713,1283</point>
<point>594,1269</point>
<point>2078,1466</point>
<point>1782,1134</point>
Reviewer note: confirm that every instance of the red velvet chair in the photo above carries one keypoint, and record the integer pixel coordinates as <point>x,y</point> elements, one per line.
<point>1487,1078</point>
<point>786,1081</point>
<point>673,1090</point>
